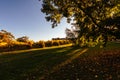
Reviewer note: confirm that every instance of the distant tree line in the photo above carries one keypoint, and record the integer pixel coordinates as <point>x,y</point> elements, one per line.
<point>9,43</point>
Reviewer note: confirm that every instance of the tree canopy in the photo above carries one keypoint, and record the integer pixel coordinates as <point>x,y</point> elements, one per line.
<point>6,36</point>
<point>69,34</point>
<point>23,39</point>
<point>96,19</point>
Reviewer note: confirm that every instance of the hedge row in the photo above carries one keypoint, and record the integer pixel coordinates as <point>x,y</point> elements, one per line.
<point>51,43</point>
<point>22,45</point>
<point>14,46</point>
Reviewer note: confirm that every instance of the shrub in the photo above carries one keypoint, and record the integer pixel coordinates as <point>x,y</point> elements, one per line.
<point>30,43</point>
<point>19,46</point>
<point>41,44</point>
<point>66,41</point>
<point>49,43</point>
<point>14,46</point>
<point>35,45</point>
<point>61,42</point>
<point>56,43</point>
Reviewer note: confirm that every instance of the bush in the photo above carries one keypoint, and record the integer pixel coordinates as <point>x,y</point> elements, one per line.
<point>56,43</point>
<point>48,43</point>
<point>30,43</point>
<point>19,46</point>
<point>15,45</point>
<point>66,42</point>
<point>35,45</point>
<point>61,42</point>
<point>40,44</point>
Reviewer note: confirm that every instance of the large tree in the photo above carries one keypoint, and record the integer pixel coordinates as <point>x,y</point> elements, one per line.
<point>96,19</point>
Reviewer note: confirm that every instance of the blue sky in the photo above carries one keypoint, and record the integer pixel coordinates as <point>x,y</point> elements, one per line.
<point>24,18</point>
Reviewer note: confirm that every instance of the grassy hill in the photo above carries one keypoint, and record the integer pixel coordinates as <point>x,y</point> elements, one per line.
<point>62,63</point>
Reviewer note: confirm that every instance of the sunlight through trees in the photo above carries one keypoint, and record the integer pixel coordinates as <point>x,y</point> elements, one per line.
<point>93,17</point>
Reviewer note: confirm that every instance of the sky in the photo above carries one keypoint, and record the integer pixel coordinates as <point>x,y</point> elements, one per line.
<point>24,18</point>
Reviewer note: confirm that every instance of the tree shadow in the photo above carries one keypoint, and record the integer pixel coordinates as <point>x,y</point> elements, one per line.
<point>32,64</point>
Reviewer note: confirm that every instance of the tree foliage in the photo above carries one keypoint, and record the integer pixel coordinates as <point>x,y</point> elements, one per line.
<point>6,36</point>
<point>69,33</point>
<point>96,19</point>
<point>23,39</point>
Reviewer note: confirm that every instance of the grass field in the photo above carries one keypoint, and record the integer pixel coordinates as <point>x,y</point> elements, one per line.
<point>62,63</point>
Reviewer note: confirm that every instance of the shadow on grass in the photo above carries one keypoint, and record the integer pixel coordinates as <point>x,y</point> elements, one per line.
<point>62,64</point>
<point>31,65</point>
<point>95,64</point>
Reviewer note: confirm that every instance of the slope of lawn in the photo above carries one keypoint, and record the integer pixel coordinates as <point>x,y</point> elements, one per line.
<point>95,64</point>
<point>62,63</point>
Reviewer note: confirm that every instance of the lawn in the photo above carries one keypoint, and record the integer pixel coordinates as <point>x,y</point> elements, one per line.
<point>62,63</point>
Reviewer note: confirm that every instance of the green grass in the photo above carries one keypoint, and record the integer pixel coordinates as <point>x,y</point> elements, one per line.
<point>62,63</point>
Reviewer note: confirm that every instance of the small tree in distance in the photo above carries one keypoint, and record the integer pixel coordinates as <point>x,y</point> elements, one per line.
<point>6,36</point>
<point>23,39</point>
